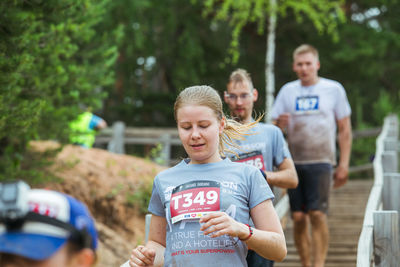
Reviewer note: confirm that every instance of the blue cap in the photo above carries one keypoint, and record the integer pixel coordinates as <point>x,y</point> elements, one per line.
<point>38,240</point>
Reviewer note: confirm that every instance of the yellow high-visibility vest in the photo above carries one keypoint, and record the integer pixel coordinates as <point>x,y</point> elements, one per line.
<point>81,134</point>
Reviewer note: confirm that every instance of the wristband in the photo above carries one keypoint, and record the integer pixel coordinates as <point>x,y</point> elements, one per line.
<point>250,234</point>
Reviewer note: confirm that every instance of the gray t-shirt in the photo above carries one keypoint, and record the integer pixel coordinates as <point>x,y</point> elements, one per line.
<point>193,188</point>
<point>314,111</point>
<point>265,143</point>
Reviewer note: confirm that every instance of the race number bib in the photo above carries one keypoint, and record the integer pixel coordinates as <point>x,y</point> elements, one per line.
<point>254,158</point>
<point>193,200</point>
<point>307,104</point>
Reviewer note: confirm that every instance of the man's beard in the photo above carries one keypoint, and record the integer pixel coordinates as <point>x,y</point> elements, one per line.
<point>238,118</point>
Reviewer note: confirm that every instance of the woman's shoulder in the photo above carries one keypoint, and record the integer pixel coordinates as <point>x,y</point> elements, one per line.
<point>170,171</point>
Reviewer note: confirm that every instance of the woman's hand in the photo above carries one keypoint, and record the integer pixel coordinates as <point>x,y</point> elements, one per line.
<point>142,256</point>
<point>219,223</point>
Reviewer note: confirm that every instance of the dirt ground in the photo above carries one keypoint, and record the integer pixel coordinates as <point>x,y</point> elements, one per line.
<point>103,181</point>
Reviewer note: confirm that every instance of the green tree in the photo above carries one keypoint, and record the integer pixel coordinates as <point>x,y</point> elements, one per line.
<point>325,15</point>
<point>167,46</point>
<point>54,57</point>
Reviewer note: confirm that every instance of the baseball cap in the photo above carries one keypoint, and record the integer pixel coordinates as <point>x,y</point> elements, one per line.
<point>53,218</point>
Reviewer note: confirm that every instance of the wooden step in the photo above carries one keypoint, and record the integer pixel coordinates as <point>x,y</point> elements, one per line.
<point>345,219</point>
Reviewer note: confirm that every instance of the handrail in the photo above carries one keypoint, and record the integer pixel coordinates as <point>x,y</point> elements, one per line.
<point>365,243</point>
<point>116,138</point>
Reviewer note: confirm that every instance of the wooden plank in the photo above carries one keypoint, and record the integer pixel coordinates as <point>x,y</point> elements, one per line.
<point>282,207</point>
<point>389,161</point>
<point>364,167</point>
<point>150,131</point>
<point>117,142</point>
<point>365,250</point>
<point>391,186</point>
<point>372,132</point>
<point>386,238</point>
<point>344,227</point>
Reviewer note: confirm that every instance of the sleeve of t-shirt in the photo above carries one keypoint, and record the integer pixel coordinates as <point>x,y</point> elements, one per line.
<point>342,107</point>
<point>278,105</point>
<point>155,205</point>
<point>280,148</point>
<point>259,188</point>
<point>94,121</point>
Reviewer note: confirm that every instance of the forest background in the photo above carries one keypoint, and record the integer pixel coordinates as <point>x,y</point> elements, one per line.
<point>127,60</point>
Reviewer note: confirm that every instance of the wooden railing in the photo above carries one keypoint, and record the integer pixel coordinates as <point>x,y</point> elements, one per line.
<point>379,239</point>
<point>117,137</point>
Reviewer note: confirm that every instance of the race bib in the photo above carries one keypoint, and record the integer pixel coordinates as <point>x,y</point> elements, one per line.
<point>193,200</point>
<point>307,104</point>
<point>254,158</point>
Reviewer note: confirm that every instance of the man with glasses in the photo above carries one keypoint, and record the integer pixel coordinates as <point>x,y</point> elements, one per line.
<point>265,148</point>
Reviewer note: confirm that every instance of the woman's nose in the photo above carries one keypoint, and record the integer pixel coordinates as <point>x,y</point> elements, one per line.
<point>195,133</point>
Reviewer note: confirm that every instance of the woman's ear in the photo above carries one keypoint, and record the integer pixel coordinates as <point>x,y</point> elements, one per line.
<point>222,125</point>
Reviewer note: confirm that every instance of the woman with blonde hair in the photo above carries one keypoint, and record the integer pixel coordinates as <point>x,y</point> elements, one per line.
<point>200,207</point>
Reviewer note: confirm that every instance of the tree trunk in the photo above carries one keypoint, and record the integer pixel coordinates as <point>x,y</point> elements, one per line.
<point>269,62</point>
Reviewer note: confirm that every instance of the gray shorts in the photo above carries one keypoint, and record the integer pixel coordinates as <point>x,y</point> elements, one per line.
<point>312,193</point>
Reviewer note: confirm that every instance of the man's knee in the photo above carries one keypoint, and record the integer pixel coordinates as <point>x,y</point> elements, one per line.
<point>317,217</point>
<point>299,218</point>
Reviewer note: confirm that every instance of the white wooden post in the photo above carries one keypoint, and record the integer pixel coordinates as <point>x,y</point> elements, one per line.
<point>389,162</point>
<point>390,194</point>
<point>166,148</point>
<point>390,144</point>
<point>386,238</point>
<point>391,188</point>
<point>147,227</point>
<point>117,143</point>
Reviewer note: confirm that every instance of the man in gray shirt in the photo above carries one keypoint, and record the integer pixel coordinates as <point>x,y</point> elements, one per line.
<point>309,109</point>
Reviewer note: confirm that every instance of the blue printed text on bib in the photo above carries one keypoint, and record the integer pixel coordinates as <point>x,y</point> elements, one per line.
<point>307,104</point>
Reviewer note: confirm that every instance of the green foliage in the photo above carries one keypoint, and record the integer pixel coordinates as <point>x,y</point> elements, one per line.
<point>115,191</point>
<point>167,46</point>
<point>155,154</point>
<point>140,198</point>
<point>54,56</point>
<point>325,15</point>
<point>367,59</point>
<point>33,168</point>
<point>384,106</point>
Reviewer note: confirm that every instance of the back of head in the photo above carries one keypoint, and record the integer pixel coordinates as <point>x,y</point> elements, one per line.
<point>45,221</point>
<point>201,95</point>
<point>305,48</point>
<point>240,76</point>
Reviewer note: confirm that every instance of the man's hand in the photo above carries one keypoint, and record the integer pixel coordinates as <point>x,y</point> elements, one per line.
<point>283,121</point>
<point>340,176</point>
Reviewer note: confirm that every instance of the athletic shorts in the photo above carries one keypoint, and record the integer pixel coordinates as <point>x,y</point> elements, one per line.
<point>312,192</point>
<point>255,260</point>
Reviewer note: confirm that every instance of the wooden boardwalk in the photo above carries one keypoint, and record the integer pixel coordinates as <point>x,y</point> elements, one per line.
<point>346,215</point>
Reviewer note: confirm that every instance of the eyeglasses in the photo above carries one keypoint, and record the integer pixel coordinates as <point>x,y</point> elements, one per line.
<point>233,97</point>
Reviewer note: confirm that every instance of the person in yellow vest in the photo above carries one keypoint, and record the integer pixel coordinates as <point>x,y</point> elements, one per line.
<point>84,129</point>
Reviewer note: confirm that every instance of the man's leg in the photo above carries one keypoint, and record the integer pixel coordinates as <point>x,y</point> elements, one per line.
<point>320,178</point>
<point>320,237</point>
<point>302,237</point>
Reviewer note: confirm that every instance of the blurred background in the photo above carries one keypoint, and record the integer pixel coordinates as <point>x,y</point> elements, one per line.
<point>126,60</point>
